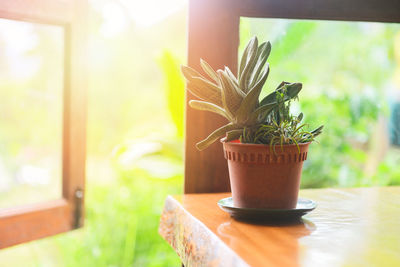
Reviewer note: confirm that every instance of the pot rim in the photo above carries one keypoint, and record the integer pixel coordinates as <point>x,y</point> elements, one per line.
<point>260,145</point>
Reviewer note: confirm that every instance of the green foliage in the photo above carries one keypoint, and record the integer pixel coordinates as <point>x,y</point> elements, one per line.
<point>348,88</point>
<point>237,98</point>
<point>279,127</point>
<point>122,217</point>
<point>286,132</point>
<point>124,200</point>
<point>174,89</point>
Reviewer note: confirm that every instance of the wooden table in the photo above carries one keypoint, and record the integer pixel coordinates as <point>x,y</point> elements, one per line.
<point>350,227</point>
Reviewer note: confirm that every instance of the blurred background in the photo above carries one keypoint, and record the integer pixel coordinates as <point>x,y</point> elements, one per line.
<point>351,78</point>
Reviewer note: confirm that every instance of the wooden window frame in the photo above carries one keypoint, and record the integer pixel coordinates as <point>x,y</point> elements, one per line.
<point>214,36</point>
<point>30,222</point>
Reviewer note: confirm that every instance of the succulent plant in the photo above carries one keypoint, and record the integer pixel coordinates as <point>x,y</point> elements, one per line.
<point>280,126</point>
<point>237,97</point>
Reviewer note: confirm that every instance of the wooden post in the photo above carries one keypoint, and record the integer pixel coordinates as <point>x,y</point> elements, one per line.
<point>214,37</point>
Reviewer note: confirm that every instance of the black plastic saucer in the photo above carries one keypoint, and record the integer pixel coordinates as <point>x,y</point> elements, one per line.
<point>303,207</point>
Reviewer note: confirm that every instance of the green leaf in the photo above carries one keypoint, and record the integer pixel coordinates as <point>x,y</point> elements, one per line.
<point>201,87</point>
<point>209,70</point>
<point>282,84</point>
<point>263,53</point>
<point>225,104</point>
<point>233,78</point>
<point>231,99</point>
<point>204,92</point>
<point>233,135</point>
<point>300,117</point>
<point>250,102</point>
<point>193,76</point>
<point>189,73</point>
<point>248,68</point>
<point>292,90</point>
<point>317,131</point>
<point>271,98</point>
<point>244,59</point>
<point>233,81</point>
<point>202,105</point>
<point>262,110</point>
<point>214,136</point>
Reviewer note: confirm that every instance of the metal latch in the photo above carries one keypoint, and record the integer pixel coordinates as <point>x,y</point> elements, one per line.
<point>78,207</point>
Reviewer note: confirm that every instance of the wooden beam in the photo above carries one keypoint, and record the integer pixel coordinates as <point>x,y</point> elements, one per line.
<point>347,10</point>
<point>56,12</point>
<point>75,113</point>
<point>30,222</point>
<point>214,37</point>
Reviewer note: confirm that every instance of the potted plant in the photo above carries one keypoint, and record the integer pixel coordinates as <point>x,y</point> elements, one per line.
<point>264,144</point>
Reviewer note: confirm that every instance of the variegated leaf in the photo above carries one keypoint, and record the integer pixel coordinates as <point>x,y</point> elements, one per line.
<point>209,70</point>
<point>204,93</point>
<point>214,136</point>
<point>250,102</point>
<point>231,97</point>
<point>202,105</point>
<point>263,53</point>
<point>189,73</point>
<point>233,135</point>
<point>244,58</point>
<point>232,79</point>
<point>245,75</point>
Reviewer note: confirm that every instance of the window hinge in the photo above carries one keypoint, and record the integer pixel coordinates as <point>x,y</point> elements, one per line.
<point>78,207</point>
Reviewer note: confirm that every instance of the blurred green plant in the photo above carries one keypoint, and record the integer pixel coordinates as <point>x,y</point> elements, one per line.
<point>122,220</point>
<point>174,89</point>
<point>343,91</point>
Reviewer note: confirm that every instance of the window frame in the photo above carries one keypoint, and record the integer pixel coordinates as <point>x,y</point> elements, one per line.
<point>216,39</point>
<point>29,222</point>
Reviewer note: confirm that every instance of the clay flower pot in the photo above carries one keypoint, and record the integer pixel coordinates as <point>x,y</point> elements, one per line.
<point>261,178</point>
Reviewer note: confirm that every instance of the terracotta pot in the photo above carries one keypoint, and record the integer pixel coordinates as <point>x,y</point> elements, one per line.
<point>261,178</point>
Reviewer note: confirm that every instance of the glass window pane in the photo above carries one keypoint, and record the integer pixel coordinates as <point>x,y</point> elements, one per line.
<point>31,94</point>
<point>351,83</point>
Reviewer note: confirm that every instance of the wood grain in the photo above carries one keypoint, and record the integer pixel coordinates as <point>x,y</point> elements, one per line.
<point>350,227</point>
<point>29,222</point>
<point>214,37</point>
<point>351,10</point>
<point>75,110</point>
<point>58,12</point>
<point>348,10</point>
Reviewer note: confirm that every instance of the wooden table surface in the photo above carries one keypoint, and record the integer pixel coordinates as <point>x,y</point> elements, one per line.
<point>350,227</point>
